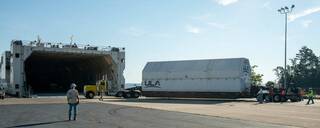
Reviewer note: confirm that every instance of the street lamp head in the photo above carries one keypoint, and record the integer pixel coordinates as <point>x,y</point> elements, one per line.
<point>286,9</point>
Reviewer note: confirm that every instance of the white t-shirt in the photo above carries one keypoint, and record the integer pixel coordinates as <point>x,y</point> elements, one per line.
<point>72,96</point>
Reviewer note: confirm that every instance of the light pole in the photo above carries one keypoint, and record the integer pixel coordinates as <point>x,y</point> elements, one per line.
<point>285,10</point>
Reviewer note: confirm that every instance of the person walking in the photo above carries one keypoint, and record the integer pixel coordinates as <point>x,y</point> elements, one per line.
<point>73,100</point>
<point>101,88</point>
<point>301,91</point>
<point>260,96</point>
<point>310,96</point>
<point>271,94</point>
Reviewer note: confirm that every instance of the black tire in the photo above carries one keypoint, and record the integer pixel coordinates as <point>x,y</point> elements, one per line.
<point>90,95</point>
<point>119,94</point>
<point>135,94</point>
<point>267,98</point>
<point>284,99</point>
<point>294,99</point>
<point>127,95</point>
<point>276,98</point>
<point>300,98</point>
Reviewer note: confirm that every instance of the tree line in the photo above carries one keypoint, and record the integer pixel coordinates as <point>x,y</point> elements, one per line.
<point>303,71</point>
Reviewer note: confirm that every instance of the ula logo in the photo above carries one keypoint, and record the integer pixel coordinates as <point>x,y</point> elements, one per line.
<point>150,84</point>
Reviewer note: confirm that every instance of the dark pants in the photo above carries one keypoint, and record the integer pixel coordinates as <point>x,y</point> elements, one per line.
<point>74,107</point>
<point>310,98</point>
<point>260,98</point>
<point>101,96</point>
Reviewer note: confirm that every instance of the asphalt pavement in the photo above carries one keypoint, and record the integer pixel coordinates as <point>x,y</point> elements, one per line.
<point>93,115</point>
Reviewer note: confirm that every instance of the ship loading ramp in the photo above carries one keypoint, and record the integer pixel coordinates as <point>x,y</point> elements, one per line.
<point>37,67</point>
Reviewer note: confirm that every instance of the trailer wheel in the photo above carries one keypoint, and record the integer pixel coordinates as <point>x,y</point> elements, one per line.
<point>284,99</point>
<point>276,98</point>
<point>135,94</point>
<point>267,98</point>
<point>127,95</point>
<point>90,95</point>
<point>294,99</point>
<point>119,94</point>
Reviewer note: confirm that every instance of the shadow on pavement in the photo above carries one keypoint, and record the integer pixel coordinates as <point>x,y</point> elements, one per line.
<point>178,101</point>
<point>37,124</point>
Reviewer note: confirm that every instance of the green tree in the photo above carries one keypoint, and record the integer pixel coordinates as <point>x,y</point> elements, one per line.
<point>256,79</point>
<point>279,72</point>
<point>304,70</point>
<point>270,84</point>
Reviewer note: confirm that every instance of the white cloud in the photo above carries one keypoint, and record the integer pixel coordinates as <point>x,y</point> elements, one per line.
<point>267,5</point>
<point>193,29</point>
<point>226,2</point>
<point>304,13</point>
<point>217,25</point>
<point>205,19</point>
<point>306,23</point>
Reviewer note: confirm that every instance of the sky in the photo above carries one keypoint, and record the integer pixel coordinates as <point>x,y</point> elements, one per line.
<point>164,30</point>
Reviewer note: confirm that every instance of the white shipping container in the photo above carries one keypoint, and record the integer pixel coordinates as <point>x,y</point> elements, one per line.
<point>213,75</point>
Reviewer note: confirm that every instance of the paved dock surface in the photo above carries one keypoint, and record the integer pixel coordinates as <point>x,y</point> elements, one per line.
<point>287,113</point>
<point>52,113</point>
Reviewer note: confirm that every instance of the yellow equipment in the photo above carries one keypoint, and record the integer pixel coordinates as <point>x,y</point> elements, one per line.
<point>102,87</point>
<point>92,90</point>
